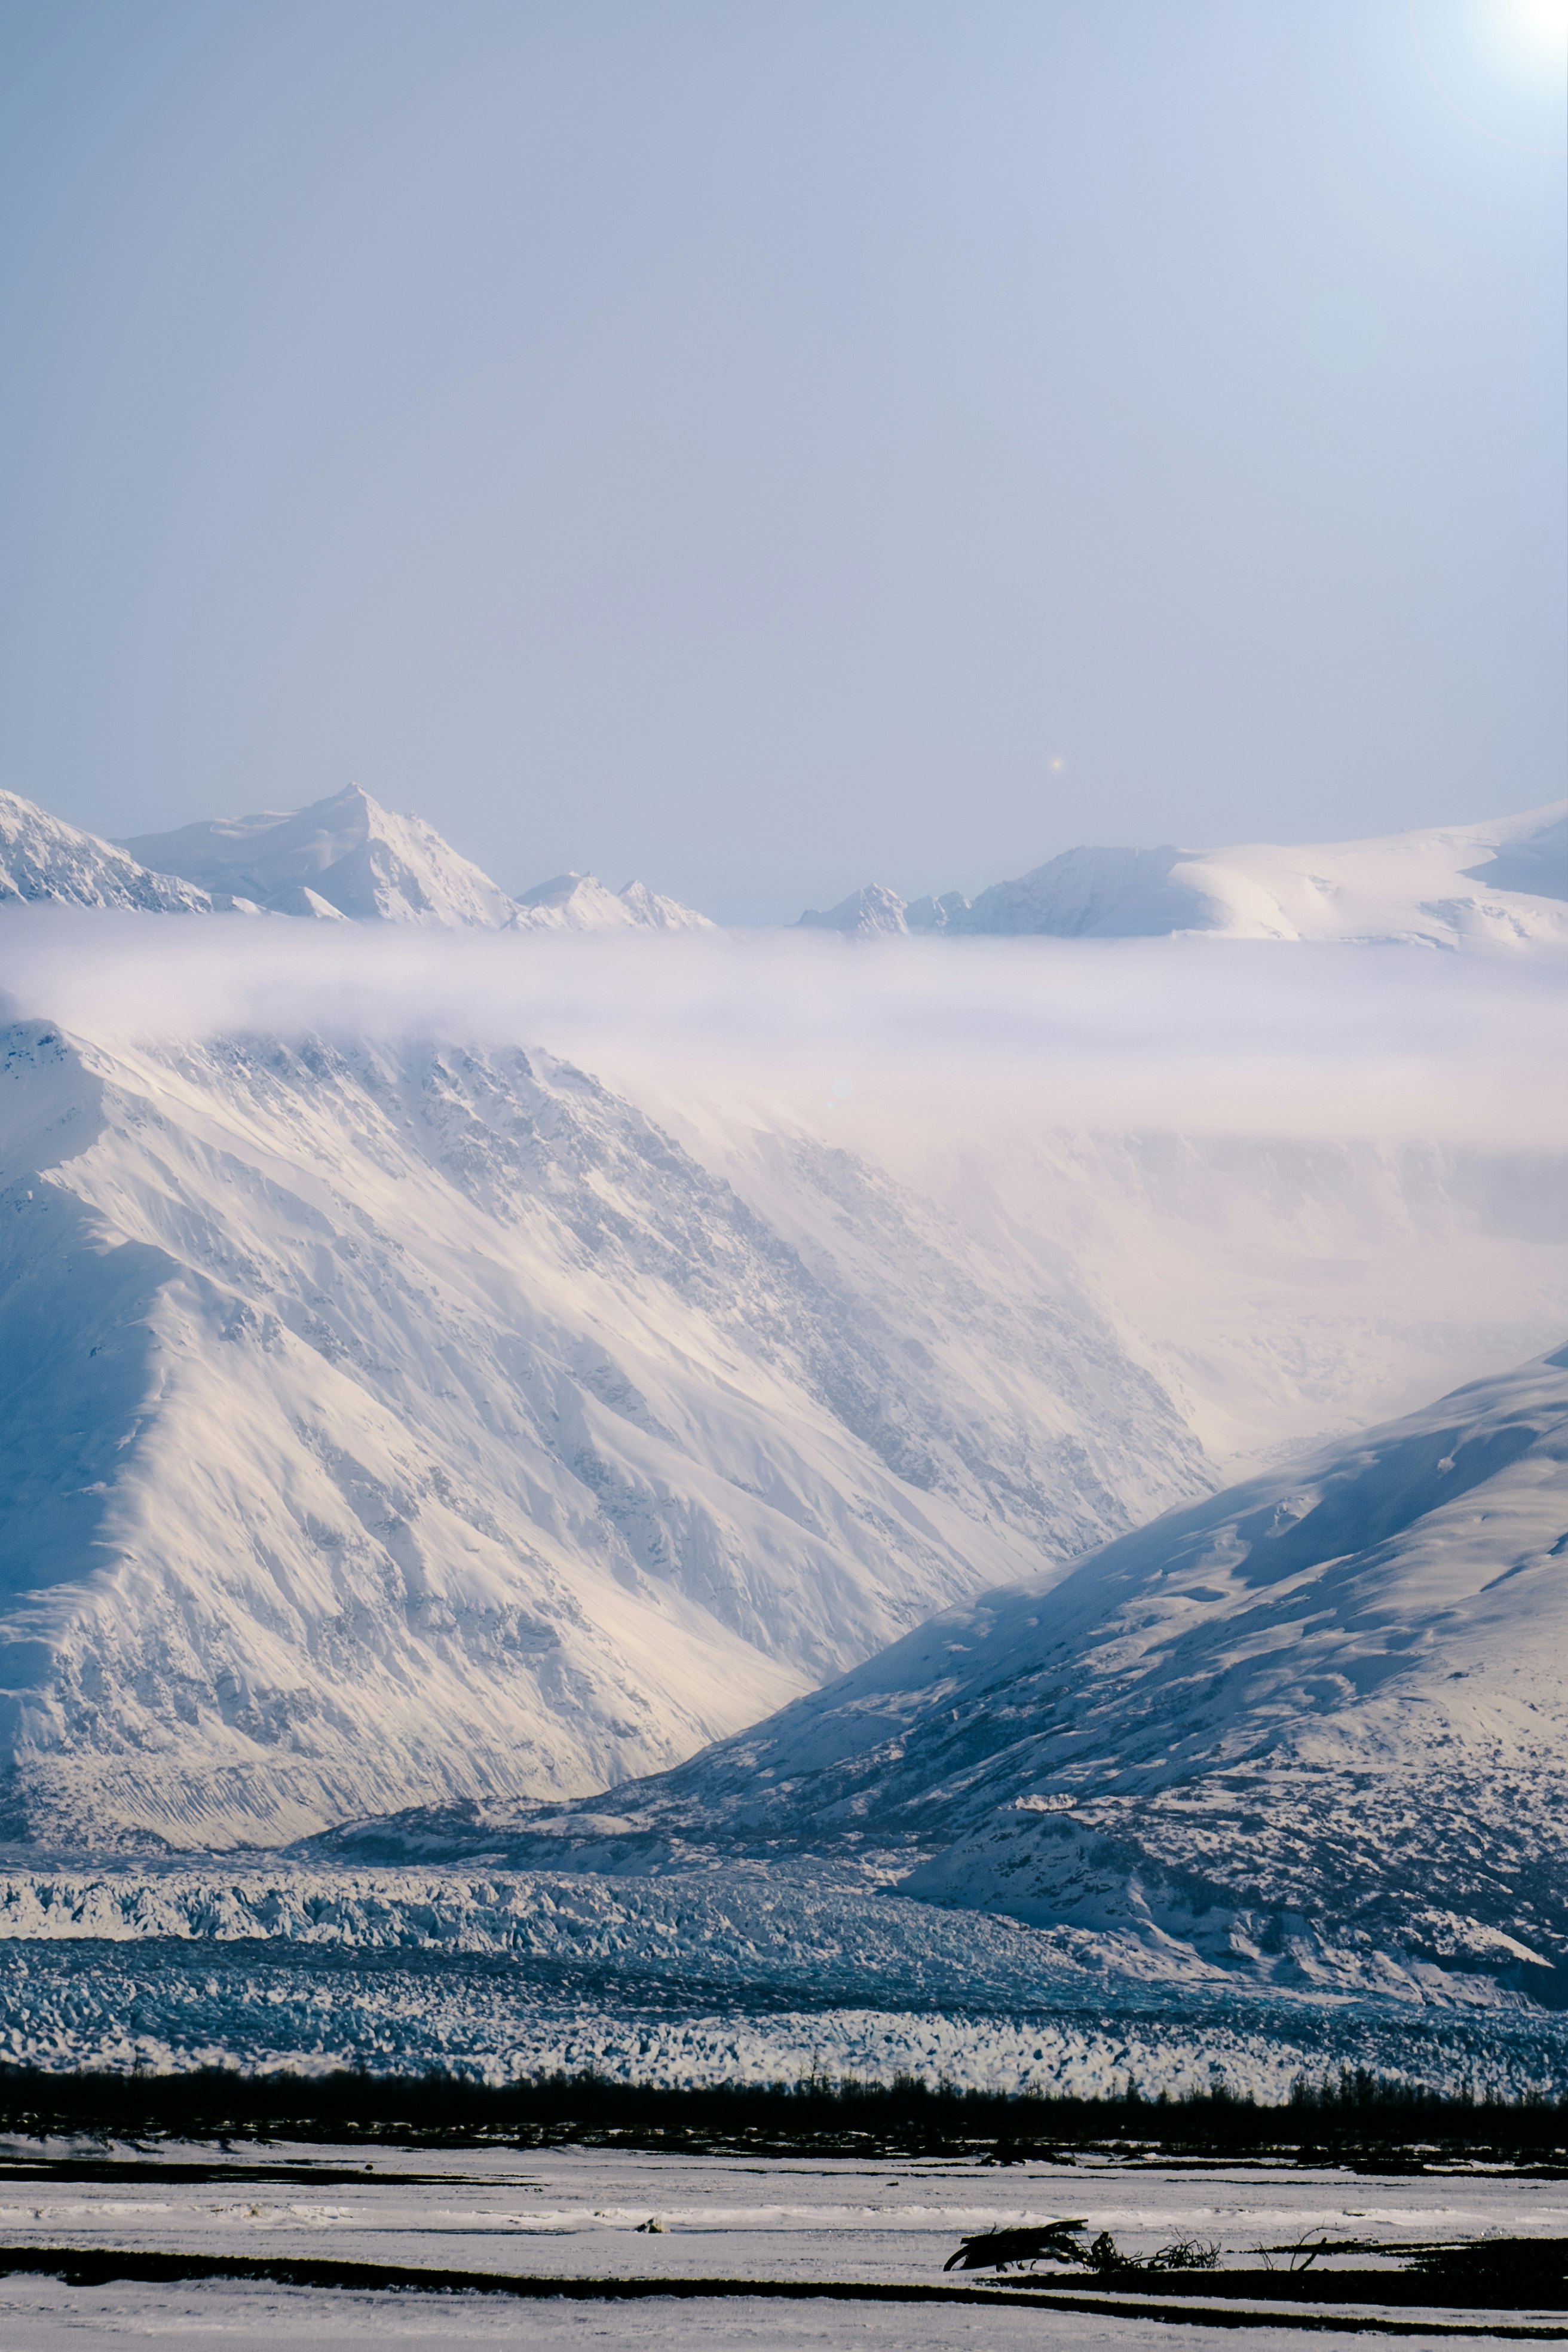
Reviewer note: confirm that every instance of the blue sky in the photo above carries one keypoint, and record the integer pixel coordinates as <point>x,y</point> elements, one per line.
<point>763,448</point>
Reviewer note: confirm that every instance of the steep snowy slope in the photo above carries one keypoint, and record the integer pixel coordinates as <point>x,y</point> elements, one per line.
<point>346,854</point>
<point>581,902</point>
<point>1317,1718</point>
<point>382,1425</point>
<point>44,859</point>
<point>1503,882</point>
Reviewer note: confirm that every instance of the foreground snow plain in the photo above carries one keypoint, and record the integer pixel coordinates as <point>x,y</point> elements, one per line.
<point>583,2213</point>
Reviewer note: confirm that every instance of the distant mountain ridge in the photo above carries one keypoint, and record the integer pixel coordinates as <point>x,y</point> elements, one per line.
<point>343,859</point>
<point>1504,881</point>
<point>581,902</point>
<point>348,855</point>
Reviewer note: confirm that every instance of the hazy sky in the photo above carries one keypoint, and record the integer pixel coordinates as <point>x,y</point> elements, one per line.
<point>763,446</point>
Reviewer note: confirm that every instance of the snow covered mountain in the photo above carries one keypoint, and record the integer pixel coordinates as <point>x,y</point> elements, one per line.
<point>385,1425</point>
<point>345,856</point>
<point>348,857</point>
<point>869,913</point>
<point>43,859</point>
<point>1314,1728</point>
<point>1504,881</point>
<point>581,902</point>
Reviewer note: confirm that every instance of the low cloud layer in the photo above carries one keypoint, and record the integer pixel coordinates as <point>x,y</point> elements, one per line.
<point>1183,1033</point>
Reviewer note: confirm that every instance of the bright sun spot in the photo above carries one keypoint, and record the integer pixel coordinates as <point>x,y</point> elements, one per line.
<point>1545,21</point>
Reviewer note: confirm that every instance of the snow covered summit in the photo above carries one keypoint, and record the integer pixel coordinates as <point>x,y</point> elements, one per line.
<point>344,856</point>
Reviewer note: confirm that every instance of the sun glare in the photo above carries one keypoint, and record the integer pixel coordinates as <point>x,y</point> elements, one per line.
<point>1545,22</point>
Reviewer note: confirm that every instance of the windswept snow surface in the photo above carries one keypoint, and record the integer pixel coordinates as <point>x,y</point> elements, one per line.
<point>1502,883</point>
<point>386,1423</point>
<point>45,860</point>
<point>1310,1733</point>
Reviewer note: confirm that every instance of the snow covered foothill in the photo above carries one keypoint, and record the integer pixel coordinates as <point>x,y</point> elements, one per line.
<point>1502,883</point>
<point>1313,1732</point>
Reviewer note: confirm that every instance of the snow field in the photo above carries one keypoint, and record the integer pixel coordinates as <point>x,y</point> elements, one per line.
<point>578,2213</point>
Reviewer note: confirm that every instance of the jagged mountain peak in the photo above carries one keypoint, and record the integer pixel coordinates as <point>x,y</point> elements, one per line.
<point>345,852</point>
<point>871,912</point>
